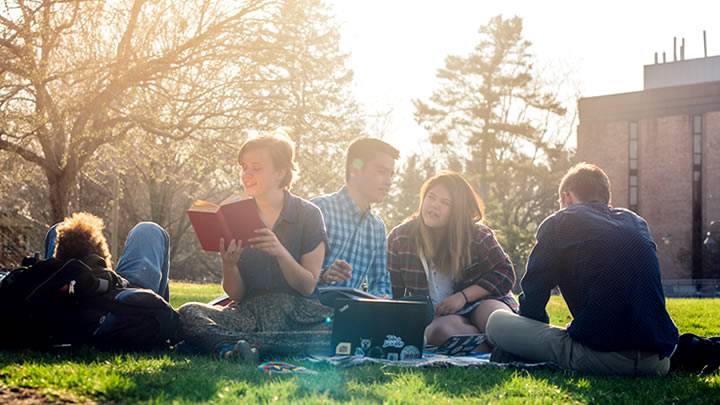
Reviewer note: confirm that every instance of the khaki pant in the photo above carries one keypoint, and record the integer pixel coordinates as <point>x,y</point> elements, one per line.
<point>539,342</point>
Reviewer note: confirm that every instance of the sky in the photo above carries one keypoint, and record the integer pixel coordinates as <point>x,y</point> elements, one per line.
<point>592,48</point>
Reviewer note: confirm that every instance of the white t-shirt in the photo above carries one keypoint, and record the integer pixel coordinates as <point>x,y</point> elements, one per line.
<point>440,285</point>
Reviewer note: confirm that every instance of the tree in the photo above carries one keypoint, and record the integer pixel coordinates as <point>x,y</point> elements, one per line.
<point>298,81</point>
<point>74,75</point>
<point>493,111</point>
<point>486,100</point>
<point>311,97</point>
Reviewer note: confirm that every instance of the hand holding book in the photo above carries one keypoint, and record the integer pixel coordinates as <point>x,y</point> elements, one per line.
<point>267,241</point>
<point>233,218</point>
<point>231,255</point>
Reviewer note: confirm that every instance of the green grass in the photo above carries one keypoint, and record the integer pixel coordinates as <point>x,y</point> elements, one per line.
<point>84,374</point>
<point>181,293</point>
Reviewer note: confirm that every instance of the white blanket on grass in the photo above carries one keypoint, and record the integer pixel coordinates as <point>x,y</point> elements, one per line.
<point>428,360</point>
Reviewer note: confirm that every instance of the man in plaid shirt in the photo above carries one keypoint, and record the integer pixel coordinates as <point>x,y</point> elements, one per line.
<point>357,251</point>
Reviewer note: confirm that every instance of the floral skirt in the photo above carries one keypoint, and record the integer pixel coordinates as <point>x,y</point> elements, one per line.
<point>275,323</point>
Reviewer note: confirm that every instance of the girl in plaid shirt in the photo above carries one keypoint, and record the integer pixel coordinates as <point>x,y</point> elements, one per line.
<point>444,252</point>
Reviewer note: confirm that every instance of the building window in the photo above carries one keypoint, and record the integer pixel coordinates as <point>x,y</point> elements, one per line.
<point>633,174</point>
<point>697,142</point>
<point>697,149</point>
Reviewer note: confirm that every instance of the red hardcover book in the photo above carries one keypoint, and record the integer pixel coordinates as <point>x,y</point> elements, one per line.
<point>233,218</point>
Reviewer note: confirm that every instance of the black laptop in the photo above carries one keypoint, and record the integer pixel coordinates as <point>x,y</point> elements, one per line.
<point>384,329</point>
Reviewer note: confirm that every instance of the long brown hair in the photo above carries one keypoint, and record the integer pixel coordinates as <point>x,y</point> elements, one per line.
<point>451,253</point>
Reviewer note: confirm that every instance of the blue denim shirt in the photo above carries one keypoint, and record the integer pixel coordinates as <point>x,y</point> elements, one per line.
<point>300,228</point>
<point>605,263</point>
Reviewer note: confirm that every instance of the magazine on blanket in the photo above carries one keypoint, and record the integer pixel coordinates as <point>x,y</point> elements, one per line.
<point>235,218</point>
<point>458,345</point>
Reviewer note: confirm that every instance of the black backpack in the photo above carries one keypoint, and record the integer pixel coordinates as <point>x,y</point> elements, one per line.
<point>54,302</point>
<point>696,354</point>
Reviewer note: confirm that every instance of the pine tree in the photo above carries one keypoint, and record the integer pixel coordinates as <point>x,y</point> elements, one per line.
<point>486,101</point>
<point>492,112</point>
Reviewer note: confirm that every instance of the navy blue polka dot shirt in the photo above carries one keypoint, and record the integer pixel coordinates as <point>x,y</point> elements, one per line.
<point>605,263</point>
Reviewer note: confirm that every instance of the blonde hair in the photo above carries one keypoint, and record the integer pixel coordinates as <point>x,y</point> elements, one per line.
<point>451,253</point>
<point>281,150</point>
<point>79,236</point>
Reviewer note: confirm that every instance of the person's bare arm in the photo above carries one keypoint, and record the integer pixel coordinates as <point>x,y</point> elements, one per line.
<point>232,281</point>
<point>301,276</point>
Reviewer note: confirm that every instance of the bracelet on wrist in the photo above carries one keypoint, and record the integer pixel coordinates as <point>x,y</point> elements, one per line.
<point>467,301</point>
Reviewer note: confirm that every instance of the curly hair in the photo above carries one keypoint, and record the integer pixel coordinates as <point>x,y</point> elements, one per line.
<point>80,235</point>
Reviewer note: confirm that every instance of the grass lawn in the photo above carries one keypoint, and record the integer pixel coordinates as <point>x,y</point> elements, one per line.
<point>85,375</point>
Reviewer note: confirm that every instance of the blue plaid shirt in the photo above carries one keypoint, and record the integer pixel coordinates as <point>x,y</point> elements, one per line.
<point>357,238</point>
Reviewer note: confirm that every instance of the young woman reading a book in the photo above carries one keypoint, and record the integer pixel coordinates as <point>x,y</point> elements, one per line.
<point>272,280</point>
<point>444,252</point>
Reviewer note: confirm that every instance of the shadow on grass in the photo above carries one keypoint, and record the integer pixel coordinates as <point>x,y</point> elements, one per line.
<point>499,383</point>
<point>165,376</point>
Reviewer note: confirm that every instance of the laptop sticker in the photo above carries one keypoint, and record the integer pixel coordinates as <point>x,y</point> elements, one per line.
<point>376,352</point>
<point>409,352</point>
<point>343,348</point>
<point>393,341</point>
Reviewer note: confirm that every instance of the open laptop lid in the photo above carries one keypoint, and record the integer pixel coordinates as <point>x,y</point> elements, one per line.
<point>387,329</point>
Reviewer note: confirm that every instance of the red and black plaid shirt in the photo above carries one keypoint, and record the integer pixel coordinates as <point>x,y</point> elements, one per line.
<point>490,267</point>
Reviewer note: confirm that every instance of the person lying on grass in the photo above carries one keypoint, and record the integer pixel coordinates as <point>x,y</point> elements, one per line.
<point>443,251</point>
<point>145,262</point>
<point>273,281</point>
<point>605,262</point>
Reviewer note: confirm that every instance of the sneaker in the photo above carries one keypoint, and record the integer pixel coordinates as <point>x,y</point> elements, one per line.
<point>241,351</point>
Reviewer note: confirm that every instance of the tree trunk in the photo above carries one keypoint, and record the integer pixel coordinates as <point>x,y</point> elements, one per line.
<point>482,171</point>
<point>60,187</point>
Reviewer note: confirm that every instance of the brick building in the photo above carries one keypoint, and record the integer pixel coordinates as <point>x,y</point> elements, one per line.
<point>661,149</point>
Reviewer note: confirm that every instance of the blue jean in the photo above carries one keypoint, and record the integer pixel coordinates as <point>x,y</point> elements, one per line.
<point>145,262</point>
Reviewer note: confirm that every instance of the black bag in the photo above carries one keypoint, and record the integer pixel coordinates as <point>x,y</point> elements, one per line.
<point>54,302</point>
<point>696,354</point>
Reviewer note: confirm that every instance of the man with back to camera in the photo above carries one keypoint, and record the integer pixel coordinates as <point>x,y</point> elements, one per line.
<point>357,248</point>
<point>605,263</point>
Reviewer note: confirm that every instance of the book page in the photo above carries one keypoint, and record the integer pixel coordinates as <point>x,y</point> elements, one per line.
<point>233,198</point>
<point>204,206</point>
